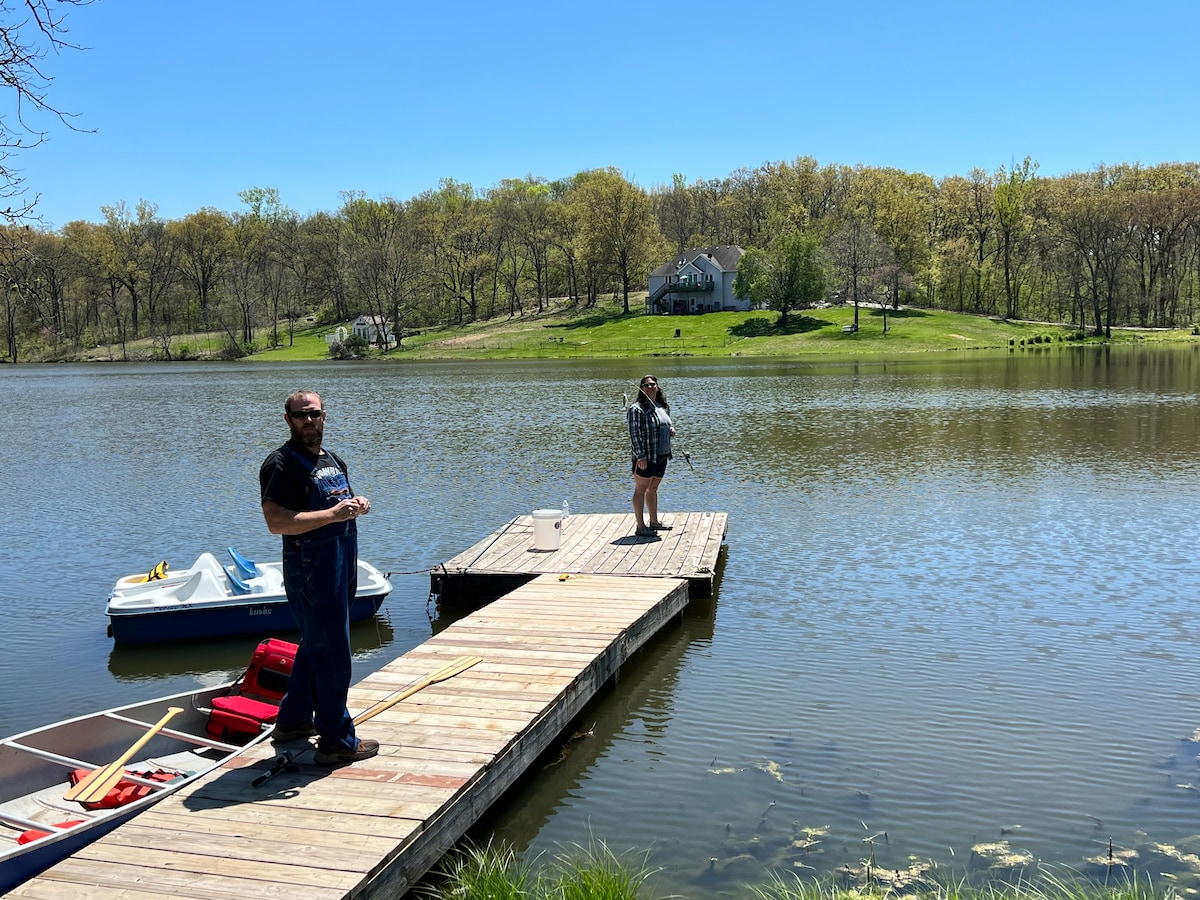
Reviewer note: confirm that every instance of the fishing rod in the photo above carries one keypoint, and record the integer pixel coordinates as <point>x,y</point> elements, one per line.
<point>284,763</point>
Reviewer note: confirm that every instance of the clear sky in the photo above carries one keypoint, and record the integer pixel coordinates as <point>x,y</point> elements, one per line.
<point>191,101</point>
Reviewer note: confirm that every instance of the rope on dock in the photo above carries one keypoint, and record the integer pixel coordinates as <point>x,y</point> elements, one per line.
<point>424,571</point>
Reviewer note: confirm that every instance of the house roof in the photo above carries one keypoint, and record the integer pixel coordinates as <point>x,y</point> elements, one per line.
<point>725,257</point>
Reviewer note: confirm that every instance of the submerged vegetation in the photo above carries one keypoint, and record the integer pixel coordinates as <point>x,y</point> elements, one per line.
<point>1047,888</point>
<point>595,872</point>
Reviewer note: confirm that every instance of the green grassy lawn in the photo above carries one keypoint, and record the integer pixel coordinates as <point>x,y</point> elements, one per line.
<point>604,331</point>
<point>306,344</point>
<point>567,331</point>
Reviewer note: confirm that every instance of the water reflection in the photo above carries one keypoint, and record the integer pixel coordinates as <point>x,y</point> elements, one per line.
<point>627,717</point>
<point>224,658</point>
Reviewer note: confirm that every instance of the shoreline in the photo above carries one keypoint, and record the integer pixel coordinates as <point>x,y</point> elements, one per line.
<point>598,333</point>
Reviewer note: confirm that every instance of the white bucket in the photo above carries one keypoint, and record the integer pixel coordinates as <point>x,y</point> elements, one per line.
<point>547,528</point>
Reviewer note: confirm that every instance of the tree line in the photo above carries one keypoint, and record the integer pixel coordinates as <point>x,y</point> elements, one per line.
<point>1117,245</point>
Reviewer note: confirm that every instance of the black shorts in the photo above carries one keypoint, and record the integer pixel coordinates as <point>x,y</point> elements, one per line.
<point>655,469</point>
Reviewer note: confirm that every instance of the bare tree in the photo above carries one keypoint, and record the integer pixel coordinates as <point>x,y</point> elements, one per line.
<point>856,252</point>
<point>28,30</point>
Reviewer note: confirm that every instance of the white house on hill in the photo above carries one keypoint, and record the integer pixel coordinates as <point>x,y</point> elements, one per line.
<point>697,281</point>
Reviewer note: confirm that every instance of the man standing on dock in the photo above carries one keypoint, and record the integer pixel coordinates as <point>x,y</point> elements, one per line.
<point>306,497</point>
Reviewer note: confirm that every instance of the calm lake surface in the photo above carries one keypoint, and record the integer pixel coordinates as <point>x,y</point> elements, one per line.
<point>958,603</point>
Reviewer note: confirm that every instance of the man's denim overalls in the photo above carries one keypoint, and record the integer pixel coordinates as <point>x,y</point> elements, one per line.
<point>320,576</point>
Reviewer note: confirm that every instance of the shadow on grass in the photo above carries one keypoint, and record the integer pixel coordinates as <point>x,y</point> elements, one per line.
<point>896,313</point>
<point>795,324</point>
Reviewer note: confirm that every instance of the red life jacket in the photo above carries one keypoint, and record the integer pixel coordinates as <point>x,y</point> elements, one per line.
<point>33,834</point>
<point>125,791</point>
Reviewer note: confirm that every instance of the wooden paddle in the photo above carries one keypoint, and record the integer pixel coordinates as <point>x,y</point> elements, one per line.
<point>448,671</point>
<point>96,785</point>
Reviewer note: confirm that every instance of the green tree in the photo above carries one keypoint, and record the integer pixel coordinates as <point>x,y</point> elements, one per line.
<point>141,258</point>
<point>524,207</point>
<point>1010,198</point>
<point>801,194</point>
<point>16,263</point>
<point>965,241</point>
<point>387,266</point>
<point>565,233</point>
<point>203,242</point>
<point>1095,225</point>
<point>744,204</point>
<point>618,227</point>
<point>325,257</point>
<point>677,213</point>
<point>461,226</point>
<point>249,247</point>
<point>1165,209</point>
<point>903,207</point>
<point>270,274</point>
<point>786,276</point>
<point>107,301</point>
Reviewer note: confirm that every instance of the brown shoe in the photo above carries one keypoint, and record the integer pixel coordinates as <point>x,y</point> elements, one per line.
<point>287,735</point>
<point>338,756</point>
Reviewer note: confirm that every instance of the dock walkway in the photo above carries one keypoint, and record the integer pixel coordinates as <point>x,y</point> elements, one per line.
<point>593,544</point>
<point>374,828</point>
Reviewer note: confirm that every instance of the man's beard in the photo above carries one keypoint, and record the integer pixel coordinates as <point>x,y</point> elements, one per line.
<point>310,438</point>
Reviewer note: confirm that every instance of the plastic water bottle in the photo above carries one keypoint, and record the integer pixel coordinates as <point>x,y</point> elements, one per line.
<point>566,509</point>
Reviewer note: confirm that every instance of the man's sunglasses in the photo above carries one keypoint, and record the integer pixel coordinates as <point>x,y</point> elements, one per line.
<point>308,414</point>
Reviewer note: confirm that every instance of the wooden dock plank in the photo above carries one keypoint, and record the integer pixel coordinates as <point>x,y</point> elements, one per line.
<point>448,753</point>
<point>596,544</point>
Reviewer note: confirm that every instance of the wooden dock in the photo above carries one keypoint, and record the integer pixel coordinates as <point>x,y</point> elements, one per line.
<point>374,828</point>
<point>603,544</point>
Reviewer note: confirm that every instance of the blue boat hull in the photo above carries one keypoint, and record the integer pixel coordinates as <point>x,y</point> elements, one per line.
<point>41,855</point>
<point>249,617</point>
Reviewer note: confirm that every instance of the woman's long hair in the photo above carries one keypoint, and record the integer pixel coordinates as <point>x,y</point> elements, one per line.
<point>645,402</point>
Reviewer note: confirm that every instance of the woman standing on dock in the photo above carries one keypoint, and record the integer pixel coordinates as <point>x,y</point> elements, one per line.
<point>650,432</point>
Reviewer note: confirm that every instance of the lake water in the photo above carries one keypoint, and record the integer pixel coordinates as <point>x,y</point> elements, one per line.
<point>957,605</point>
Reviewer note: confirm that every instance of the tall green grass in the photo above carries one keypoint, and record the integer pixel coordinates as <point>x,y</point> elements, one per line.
<point>594,872</point>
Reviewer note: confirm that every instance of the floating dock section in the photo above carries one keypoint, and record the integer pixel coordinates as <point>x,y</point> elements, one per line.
<point>448,752</point>
<point>603,544</point>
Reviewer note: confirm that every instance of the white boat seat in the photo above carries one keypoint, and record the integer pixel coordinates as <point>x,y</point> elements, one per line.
<point>185,590</point>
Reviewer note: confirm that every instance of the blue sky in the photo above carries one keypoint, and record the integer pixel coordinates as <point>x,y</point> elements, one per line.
<point>190,102</point>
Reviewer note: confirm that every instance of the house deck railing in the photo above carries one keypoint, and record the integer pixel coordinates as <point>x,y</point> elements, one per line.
<point>681,287</point>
